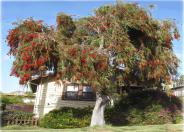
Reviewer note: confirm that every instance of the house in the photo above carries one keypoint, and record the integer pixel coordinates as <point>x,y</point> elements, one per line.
<point>53,94</point>
<point>178,91</point>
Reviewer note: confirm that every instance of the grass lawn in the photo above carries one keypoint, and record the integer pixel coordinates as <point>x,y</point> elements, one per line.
<point>148,128</point>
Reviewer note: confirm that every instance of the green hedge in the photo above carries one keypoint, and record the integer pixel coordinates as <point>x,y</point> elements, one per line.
<point>140,108</point>
<point>5,100</point>
<point>145,108</point>
<point>67,118</point>
<point>10,115</point>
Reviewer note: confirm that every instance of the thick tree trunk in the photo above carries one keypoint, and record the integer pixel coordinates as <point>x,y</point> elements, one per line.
<point>98,111</point>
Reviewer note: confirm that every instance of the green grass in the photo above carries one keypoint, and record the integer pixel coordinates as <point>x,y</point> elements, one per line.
<point>107,128</point>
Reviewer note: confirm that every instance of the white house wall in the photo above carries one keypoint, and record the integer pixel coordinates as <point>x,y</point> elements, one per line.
<point>49,97</point>
<point>37,101</point>
<point>53,96</point>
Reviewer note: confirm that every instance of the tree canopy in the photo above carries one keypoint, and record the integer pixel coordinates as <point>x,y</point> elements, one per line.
<point>120,44</point>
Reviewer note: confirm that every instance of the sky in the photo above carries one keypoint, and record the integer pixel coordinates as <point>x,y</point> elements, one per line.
<point>47,11</point>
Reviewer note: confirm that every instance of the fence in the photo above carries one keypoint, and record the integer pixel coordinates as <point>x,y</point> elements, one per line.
<point>16,107</point>
<point>22,121</point>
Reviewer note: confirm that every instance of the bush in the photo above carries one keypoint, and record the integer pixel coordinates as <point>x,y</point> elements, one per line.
<point>67,118</point>
<point>11,99</point>
<point>5,100</point>
<point>145,107</point>
<point>139,108</point>
<point>11,115</point>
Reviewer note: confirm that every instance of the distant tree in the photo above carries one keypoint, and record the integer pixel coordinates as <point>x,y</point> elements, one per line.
<point>120,45</point>
<point>180,81</point>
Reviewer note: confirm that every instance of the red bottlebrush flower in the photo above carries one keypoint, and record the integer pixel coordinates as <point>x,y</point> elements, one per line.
<point>33,44</point>
<point>84,51</point>
<point>83,60</point>
<point>16,74</point>
<point>101,66</point>
<point>93,56</point>
<point>41,61</point>
<point>26,58</point>
<point>168,39</point>
<point>13,37</point>
<point>27,76</point>
<point>73,52</point>
<point>34,35</point>
<point>25,67</point>
<point>176,35</point>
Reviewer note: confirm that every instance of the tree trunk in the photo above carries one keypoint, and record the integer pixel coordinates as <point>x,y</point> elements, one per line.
<point>98,111</point>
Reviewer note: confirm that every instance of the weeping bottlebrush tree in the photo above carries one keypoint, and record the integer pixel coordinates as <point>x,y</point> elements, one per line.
<point>31,45</point>
<point>120,45</point>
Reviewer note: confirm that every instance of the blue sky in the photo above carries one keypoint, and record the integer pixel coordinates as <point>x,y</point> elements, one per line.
<point>47,11</point>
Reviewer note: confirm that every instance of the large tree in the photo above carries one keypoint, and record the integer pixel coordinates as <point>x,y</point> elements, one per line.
<point>119,45</point>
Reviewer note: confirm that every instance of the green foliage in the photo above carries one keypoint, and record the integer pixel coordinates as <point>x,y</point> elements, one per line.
<point>65,26</point>
<point>180,81</point>
<point>5,100</point>
<point>145,107</point>
<point>140,108</point>
<point>106,128</point>
<point>30,94</point>
<point>10,115</point>
<point>79,49</point>
<point>20,127</point>
<point>67,118</point>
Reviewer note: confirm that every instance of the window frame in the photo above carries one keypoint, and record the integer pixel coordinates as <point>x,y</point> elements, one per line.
<point>80,94</point>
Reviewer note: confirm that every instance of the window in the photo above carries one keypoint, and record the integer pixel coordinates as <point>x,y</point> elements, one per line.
<point>87,92</point>
<point>78,92</point>
<point>72,91</point>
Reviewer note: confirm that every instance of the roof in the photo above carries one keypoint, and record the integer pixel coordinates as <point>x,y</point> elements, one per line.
<point>35,81</point>
<point>178,88</point>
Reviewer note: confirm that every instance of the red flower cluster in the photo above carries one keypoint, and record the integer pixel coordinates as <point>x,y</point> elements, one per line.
<point>154,63</point>
<point>33,44</point>
<point>83,60</point>
<point>14,72</point>
<point>176,35</point>
<point>24,78</point>
<point>92,55</point>
<point>102,66</point>
<point>73,52</point>
<point>41,61</point>
<point>30,37</point>
<point>26,57</point>
<point>13,37</point>
<point>21,33</point>
<point>32,25</point>
<point>168,41</point>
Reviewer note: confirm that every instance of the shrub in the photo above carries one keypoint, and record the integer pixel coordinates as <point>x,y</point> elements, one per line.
<point>11,99</point>
<point>67,118</point>
<point>10,115</point>
<point>145,107</point>
<point>5,100</point>
<point>139,108</point>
